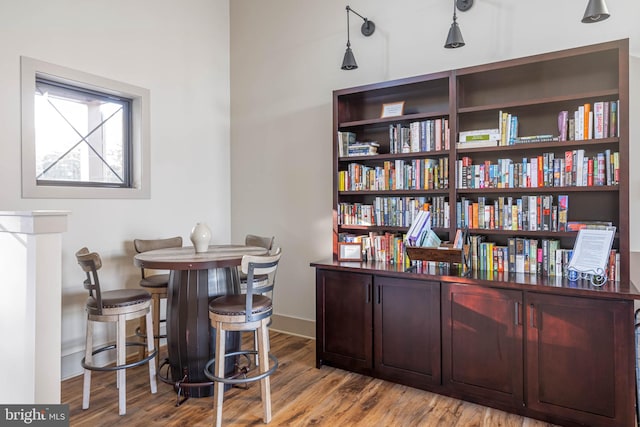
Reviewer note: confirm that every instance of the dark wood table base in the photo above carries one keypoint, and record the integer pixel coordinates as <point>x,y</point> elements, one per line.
<point>189,353</point>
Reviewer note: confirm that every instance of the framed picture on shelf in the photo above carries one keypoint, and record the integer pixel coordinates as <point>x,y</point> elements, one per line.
<point>349,251</point>
<point>392,109</point>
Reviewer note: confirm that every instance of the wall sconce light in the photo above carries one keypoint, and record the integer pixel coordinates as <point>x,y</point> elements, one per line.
<point>596,11</point>
<point>368,27</point>
<point>454,38</point>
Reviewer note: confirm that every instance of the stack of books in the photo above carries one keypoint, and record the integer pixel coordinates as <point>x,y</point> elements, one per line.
<point>478,138</point>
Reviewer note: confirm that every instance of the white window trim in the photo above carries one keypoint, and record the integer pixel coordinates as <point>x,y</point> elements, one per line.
<point>139,139</point>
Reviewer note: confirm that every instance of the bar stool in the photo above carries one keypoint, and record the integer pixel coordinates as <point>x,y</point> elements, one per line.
<point>117,307</point>
<point>244,312</point>
<point>155,284</point>
<point>262,242</point>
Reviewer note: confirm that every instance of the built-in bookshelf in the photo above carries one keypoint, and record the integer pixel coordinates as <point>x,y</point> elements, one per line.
<point>546,133</point>
<point>533,150</point>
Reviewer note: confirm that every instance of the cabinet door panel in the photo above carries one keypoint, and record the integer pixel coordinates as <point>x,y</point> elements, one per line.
<point>344,330</point>
<point>482,343</point>
<point>407,330</point>
<point>578,358</point>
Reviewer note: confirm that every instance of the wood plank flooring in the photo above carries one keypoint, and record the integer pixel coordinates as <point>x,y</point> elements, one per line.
<point>301,396</point>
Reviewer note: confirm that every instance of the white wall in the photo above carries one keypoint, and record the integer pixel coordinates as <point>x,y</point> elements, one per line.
<point>177,50</point>
<point>285,63</point>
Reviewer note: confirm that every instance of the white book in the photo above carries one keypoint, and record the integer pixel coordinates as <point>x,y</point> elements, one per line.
<point>421,221</point>
<point>579,160</point>
<point>598,120</point>
<point>590,125</point>
<point>580,123</point>
<point>533,169</point>
<point>533,213</point>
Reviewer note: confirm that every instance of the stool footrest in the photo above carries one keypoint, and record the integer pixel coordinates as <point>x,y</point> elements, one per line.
<point>118,367</point>
<point>212,377</point>
<point>141,335</point>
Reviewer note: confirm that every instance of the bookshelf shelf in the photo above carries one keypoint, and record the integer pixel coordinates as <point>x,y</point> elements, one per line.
<point>562,99</point>
<point>540,190</point>
<point>554,145</point>
<point>395,156</point>
<point>396,119</point>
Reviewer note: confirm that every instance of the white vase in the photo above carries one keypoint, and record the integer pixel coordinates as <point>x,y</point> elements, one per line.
<point>200,237</point>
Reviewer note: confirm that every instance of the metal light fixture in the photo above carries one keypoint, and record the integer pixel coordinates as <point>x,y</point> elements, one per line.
<point>596,11</point>
<point>454,38</point>
<point>368,27</point>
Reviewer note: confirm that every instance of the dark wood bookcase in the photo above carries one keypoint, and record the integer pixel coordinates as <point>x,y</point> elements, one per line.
<point>535,89</point>
<point>540,346</point>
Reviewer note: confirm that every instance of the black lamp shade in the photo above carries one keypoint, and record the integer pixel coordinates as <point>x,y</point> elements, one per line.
<point>349,62</point>
<point>454,39</point>
<point>596,11</point>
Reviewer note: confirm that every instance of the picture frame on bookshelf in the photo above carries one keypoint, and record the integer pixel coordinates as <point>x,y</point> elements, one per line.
<point>349,251</point>
<point>392,109</point>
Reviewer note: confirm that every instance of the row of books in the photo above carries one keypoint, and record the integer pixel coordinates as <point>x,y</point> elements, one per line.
<point>529,256</point>
<point>417,174</point>
<point>526,213</point>
<point>386,248</point>
<point>590,121</point>
<point>394,211</point>
<point>574,169</point>
<point>425,135</point>
<point>390,211</point>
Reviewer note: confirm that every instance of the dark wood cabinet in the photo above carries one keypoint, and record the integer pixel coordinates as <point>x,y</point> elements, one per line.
<point>579,354</point>
<point>407,331</point>
<point>344,325</point>
<point>482,338</point>
<point>381,326</point>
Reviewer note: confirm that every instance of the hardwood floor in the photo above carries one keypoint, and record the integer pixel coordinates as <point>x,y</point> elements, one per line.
<point>301,396</point>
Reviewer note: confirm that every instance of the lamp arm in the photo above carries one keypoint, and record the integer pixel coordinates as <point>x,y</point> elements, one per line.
<point>368,27</point>
<point>351,10</point>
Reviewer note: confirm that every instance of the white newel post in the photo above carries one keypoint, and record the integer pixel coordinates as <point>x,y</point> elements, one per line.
<point>30,305</point>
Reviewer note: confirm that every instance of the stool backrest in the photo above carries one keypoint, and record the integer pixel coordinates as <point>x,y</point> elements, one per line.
<point>263,242</point>
<point>252,266</point>
<point>145,245</point>
<point>90,263</point>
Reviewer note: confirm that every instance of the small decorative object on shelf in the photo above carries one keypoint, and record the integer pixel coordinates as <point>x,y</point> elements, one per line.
<point>349,251</point>
<point>392,109</point>
<point>200,237</point>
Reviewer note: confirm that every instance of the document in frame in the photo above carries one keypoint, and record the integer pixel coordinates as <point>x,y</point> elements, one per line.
<point>591,254</point>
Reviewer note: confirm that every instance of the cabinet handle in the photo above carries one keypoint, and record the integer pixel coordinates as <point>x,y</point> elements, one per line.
<point>531,318</point>
<point>368,293</point>
<point>516,319</point>
<point>379,292</point>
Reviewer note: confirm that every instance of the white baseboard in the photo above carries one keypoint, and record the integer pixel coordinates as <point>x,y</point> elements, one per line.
<point>293,326</point>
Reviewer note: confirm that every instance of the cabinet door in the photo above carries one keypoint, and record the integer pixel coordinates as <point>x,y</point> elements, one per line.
<point>343,305</point>
<point>482,339</point>
<point>407,331</point>
<point>580,359</point>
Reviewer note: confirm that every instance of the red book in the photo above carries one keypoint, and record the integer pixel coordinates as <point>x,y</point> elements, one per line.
<point>568,166</point>
<point>540,172</point>
<point>590,172</point>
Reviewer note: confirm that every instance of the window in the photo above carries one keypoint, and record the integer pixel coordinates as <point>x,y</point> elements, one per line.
<point>83,136</point>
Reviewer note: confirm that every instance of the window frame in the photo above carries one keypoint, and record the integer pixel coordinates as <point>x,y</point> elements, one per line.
<point>139,161</point>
